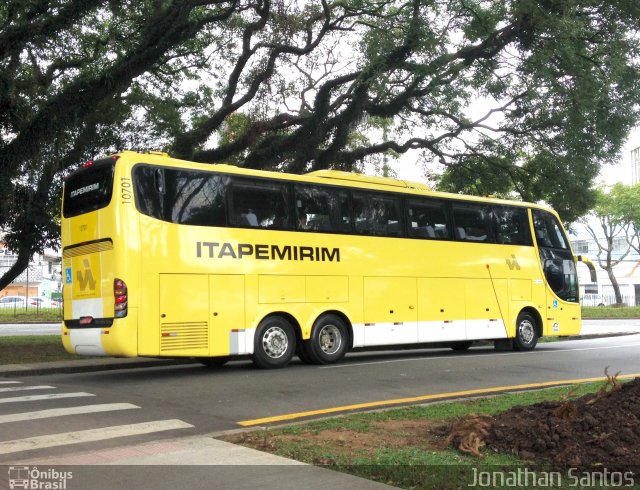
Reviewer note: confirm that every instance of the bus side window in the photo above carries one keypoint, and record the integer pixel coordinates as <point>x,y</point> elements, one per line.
<point>427,219</point>
<point>319,208</point>
<point>472,222</point>
<point>261,204</point>
<point>511,225</point>
<point>377,214</point>
<point>181,196</point>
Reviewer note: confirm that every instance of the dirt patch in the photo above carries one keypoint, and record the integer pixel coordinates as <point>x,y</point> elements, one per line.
<point>596,429</point>
<point>348,444</point>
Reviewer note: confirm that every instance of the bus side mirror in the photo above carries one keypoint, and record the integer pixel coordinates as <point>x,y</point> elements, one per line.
<point>586,261</point>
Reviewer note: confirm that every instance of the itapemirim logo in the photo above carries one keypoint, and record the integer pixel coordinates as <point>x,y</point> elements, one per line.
<point>33,478</point>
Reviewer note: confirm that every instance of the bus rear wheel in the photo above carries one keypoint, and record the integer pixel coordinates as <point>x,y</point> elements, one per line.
<point>275,343</point>
<point>328,342</point>
<point>526,332</point>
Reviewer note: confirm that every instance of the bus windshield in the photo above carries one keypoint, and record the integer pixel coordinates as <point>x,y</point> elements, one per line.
<point>555,255</point>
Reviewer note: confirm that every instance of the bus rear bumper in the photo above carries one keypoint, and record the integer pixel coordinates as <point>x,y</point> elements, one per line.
<point>83,341</point>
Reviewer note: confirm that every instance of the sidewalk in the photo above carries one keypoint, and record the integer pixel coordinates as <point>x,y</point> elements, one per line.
<point>212,464</point>
<point>612,327</point>
<point>86,365</point>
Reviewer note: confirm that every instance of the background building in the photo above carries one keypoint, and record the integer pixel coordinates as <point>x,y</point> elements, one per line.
<point>627,272</point>
<point>43,277</point>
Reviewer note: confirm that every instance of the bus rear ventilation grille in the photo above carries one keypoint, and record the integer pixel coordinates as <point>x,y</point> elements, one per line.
<point>180,336</point>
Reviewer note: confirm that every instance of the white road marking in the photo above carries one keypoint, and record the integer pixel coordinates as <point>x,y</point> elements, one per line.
<point>10,382</point>
<point>90,435</point>
<point>468,356</point>
<point>24,388</point>
<point>61,412</point>
<point>31,398</point>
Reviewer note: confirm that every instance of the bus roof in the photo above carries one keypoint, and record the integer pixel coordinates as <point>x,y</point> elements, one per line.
<point>367,179</point>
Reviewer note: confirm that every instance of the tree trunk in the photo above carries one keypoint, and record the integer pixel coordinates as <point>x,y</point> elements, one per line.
<point>616,286</point>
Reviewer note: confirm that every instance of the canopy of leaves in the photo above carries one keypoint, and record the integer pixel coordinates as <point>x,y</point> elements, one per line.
<point>525,98</point>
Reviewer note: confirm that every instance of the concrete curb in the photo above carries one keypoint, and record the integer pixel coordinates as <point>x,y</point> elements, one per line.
<point>87,366</point>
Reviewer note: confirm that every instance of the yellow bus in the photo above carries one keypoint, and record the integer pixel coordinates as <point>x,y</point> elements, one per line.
<point>169,258</point>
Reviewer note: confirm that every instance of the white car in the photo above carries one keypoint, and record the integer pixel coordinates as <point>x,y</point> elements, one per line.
<point>13,302</point>
<point>593,300</point>
<point>43,303</point>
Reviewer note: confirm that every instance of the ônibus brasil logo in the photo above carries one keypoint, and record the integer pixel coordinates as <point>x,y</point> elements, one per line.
<point>33,478</point>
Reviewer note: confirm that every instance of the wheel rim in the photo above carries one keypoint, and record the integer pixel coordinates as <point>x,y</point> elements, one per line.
<point>275,342</point>
<point>526,331</point>
<point>330,339</point>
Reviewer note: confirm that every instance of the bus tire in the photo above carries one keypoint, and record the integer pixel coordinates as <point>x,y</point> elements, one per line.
<point>526,332</point>
<point>274,344</point>
<point>214,362</point>
<point>301,352</point>
<point>329,340</point>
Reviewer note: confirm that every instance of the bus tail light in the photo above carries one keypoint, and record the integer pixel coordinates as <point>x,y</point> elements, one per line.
<point>121,299</point>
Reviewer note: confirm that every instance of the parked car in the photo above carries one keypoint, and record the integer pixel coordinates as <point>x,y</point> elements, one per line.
<point>593,300</point>
<point>43,303</point>
<point>13,301</point>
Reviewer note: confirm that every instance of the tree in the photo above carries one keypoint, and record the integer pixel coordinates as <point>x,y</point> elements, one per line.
<point>612,226</point>
<point>626,202</point>
<point>285,85</point>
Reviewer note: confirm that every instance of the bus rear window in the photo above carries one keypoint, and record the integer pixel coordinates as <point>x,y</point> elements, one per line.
<point>89,188</point>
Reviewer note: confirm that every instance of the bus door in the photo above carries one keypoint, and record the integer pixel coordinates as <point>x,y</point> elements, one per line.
<point>184,314</point>
<point>559,267</point>
<point>227,316</point>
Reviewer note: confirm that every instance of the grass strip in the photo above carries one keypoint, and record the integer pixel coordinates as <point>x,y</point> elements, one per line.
<point>22,315</point>
<point>610,312</point>
<point>22,349</point>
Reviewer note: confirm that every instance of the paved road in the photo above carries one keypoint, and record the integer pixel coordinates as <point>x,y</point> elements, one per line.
<point>166,402</point>
<point>29,329</point>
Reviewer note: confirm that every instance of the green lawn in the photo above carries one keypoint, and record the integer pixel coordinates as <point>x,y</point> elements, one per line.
<point>33,348</point>
<point>611,312</point>
<point>20,315</point>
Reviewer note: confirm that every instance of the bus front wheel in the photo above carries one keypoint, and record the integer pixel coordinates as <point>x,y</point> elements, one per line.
<point>275,343</point>
<point>526,332</point>
<point>328,342</point>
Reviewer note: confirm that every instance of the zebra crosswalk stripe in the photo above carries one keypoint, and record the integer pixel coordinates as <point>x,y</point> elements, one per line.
<point>30,398</point>
<point>61,412</point>
<point>90,435</point>
<point>25,388</point>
